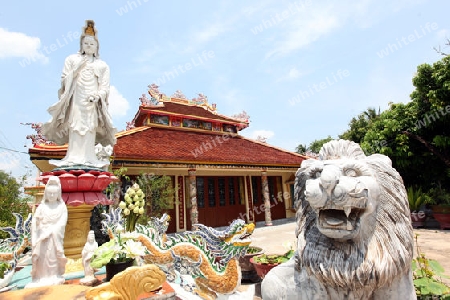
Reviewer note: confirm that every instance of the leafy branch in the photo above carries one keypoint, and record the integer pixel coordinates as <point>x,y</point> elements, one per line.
<point>427,274</point>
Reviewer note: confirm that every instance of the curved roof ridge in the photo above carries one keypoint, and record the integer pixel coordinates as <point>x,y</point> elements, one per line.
<point>274,147</point>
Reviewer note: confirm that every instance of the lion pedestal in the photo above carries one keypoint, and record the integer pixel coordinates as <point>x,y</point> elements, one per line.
<point>355,239</point>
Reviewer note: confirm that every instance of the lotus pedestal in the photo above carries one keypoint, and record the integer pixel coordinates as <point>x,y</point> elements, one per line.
<point>82,190</point>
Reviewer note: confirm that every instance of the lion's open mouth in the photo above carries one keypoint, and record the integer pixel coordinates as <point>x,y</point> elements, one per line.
<point>340,219</point>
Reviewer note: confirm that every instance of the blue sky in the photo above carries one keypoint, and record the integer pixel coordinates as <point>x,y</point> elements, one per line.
<point>301,69</point>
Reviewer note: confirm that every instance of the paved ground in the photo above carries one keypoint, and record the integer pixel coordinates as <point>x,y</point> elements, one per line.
<point>434,243</point>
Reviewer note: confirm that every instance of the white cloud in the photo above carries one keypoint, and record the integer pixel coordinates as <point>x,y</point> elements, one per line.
<point>293,73</point>
<point>17,44</point>
<point>118,105</point>
<point>315,21</point>
<point>8,161</point>
<point>210,32</point>
<point>306,28</point>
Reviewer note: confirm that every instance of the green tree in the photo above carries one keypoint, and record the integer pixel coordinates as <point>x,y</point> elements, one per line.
<point>360,124</point>
<point>432,99</point>
<point>313,147</point>
<point>301,149</point>
<point>416,135</point>
<point>316,145</point>
<point>11,200</point>
<point>159,195</point>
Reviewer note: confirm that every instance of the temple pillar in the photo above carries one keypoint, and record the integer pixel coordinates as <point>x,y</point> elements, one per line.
<point>250,207</point>
<point>193,196</point>
<point>266,197</point>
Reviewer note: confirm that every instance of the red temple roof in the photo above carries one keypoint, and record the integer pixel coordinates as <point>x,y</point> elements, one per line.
<point>178,145</point>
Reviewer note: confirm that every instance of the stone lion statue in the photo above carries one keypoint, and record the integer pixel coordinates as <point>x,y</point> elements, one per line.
<point>354,233</point>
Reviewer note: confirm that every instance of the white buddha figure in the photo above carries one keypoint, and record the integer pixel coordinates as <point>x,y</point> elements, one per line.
<point>47,237</point>
<point>86,254</point>
<point>80,117</point>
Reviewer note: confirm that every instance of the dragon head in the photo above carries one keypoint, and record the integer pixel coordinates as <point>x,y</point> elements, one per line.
<point>239,233</point>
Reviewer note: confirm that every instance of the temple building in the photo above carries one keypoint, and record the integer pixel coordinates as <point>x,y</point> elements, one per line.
<point>218,175</point>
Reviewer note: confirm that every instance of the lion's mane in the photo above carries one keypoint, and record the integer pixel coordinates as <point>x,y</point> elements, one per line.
<point>381,254</point>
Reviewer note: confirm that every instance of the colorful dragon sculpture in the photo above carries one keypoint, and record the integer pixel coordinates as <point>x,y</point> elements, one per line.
<point>19,240</point>
<point>210,256</point>
<point>12,248</point>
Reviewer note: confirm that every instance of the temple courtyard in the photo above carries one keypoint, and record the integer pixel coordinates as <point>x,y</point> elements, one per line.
<point>434,243</point>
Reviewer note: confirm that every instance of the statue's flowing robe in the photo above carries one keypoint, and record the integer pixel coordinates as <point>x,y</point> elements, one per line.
<point>77,121</point>
<point>48,226</point>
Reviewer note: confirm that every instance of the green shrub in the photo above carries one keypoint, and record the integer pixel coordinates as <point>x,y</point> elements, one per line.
<point>427,274</point>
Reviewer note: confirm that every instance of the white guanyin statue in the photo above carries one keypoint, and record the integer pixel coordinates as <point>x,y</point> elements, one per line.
<point>86,254</point>
<point>47,237</point>
<point>80,117</point>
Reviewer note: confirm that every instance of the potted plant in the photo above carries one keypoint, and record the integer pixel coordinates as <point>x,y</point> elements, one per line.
<point>417,199</point>
<point>119,253</point>
<point>265,262</point>
<point>440,198</point>
<point>247,269</point>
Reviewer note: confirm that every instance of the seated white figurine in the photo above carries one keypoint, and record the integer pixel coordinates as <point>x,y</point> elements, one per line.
<point>86,254</point>
<point>47,237</point>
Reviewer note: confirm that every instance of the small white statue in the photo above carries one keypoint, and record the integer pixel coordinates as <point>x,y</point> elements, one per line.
<point>80,117</point>
<point>86,254</point>
<point>47,237</point>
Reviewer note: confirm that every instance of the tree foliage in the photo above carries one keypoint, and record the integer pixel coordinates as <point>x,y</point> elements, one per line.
<point>314,147</point>
<point>360,124</point>
<point>159,195</point>
<point>11,200</point>
<point>415,135</point>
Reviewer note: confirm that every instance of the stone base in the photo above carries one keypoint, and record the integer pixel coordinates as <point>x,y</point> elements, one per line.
<point>77,229</point>
<point>60,292</point>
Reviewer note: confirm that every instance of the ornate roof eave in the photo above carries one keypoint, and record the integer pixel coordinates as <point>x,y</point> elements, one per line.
<point>189,164</point>
<point>224,119</point>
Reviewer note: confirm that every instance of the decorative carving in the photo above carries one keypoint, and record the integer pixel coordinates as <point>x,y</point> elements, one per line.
<point>179,94</point>
<point>153,88</point>
<point>19,238</point>
<point>355,239</point>
<point>261,139</point>
<point>201,99</point>
<point>181,201</point>
<point>242,116</point>
<point>77,229</point>
<point>130,125</point>
<point>37,138</point>
<point>208,255</point>
<point>129,284</point>
<point>148,102</point>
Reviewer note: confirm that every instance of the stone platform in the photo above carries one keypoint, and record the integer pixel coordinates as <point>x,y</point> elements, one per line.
<point>73,290</point>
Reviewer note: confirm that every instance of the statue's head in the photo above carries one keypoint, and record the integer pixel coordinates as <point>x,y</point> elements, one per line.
<point>53,191</point>
<point>88,40</point>
<point>353,223</point>
<point>91,236</point>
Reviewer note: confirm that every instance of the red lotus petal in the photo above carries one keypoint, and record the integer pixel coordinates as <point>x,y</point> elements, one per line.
<point>86,182</point>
